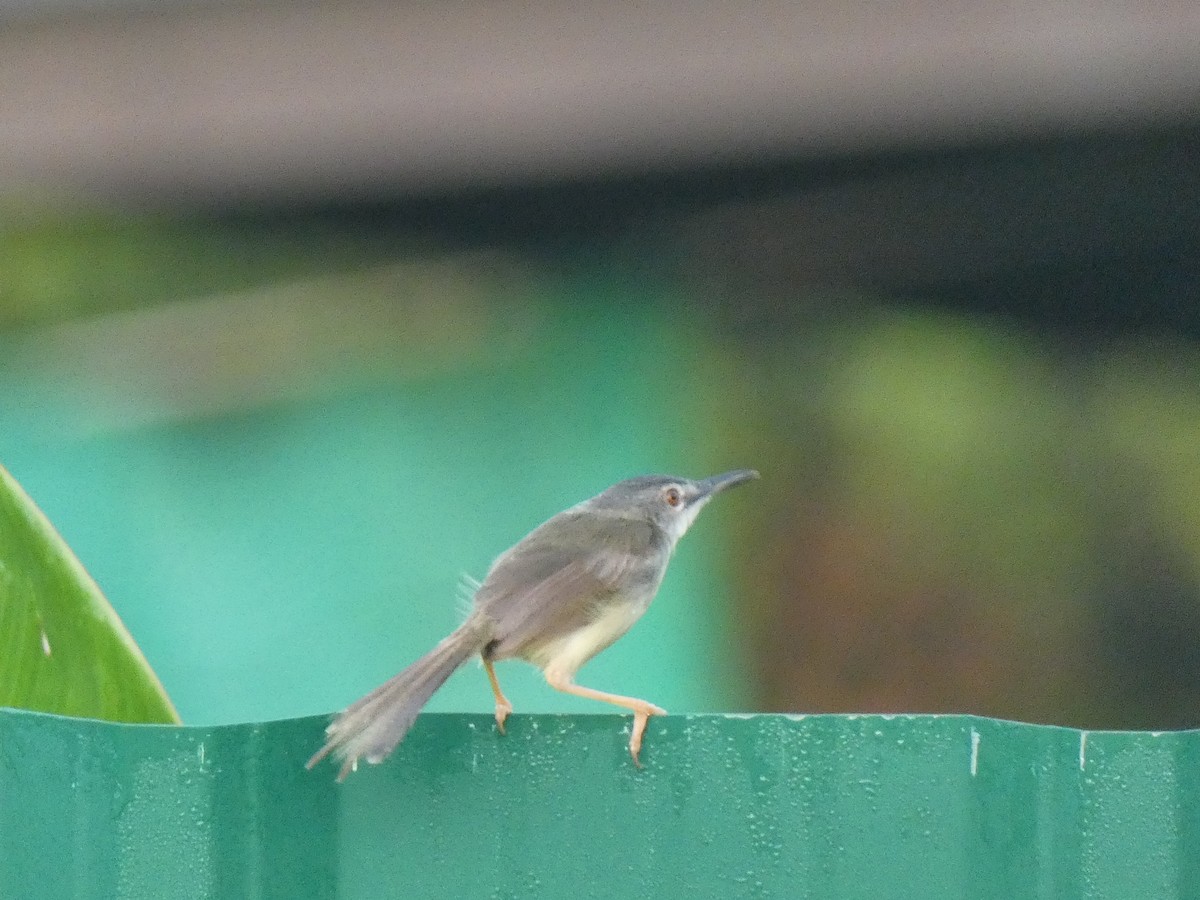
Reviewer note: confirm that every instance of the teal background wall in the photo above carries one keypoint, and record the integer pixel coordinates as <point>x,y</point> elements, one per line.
<point>283,559</point>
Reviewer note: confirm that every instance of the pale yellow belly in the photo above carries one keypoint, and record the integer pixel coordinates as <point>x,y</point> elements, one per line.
<point>565,655</point>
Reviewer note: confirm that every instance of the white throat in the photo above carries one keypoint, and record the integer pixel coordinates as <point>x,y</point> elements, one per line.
<point>677,526</point>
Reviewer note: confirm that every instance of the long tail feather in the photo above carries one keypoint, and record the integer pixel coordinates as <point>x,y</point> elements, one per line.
<point>372,727</point>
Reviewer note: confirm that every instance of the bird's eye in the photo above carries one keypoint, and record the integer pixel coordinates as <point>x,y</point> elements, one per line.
<point>672,497</point>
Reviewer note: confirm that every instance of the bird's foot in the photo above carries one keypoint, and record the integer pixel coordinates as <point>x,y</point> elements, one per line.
<point>641,716</point>
<point>503,708</point>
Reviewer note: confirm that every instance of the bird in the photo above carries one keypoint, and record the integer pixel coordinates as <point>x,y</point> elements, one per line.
<point>556,598</point>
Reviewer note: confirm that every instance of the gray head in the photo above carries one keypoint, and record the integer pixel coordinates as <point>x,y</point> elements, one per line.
<point>669,501</point>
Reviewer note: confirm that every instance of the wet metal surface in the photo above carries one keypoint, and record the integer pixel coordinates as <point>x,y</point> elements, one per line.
<point>817,806</point>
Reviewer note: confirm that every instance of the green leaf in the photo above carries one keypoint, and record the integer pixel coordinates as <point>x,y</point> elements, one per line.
<point>63,649</point>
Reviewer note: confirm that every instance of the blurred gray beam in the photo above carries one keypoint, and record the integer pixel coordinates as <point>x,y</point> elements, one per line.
<point>224,101</point>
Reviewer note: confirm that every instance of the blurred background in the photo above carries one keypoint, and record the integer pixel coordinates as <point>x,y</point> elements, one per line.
<point>307,311</point>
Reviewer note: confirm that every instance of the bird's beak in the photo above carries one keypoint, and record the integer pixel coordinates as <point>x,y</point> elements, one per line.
<point>718,483</point>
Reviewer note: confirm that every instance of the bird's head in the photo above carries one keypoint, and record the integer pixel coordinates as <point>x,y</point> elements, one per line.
<point>670,502</point>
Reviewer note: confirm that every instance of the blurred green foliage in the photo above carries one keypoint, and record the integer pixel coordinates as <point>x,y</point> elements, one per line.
<point>62,260</point>
<point>970,517</point>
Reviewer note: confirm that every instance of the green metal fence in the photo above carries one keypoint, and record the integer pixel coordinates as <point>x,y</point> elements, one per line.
<point>727,806</point>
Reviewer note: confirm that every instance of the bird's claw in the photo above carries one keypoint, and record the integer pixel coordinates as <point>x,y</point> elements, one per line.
<point>502,711</point>
<point>640,718</point>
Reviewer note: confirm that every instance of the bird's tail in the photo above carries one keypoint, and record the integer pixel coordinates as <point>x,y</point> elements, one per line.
<point>374,725</point>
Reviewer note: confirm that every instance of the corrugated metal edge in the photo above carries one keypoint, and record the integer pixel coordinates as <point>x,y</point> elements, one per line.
<point>847,806</point>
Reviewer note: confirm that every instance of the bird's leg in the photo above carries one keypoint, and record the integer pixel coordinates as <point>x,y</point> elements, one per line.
<point>503,707</point>
<point>642,711</point>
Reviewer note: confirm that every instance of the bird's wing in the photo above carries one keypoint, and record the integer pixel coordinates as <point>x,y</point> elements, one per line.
<point>557,579</point>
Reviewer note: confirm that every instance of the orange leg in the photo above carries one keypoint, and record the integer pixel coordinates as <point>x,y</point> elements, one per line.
<point>642,711</point>
<point>503,707</point>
